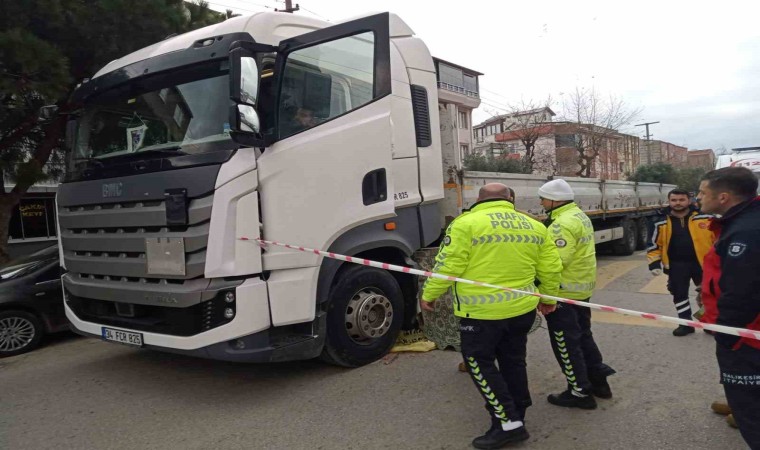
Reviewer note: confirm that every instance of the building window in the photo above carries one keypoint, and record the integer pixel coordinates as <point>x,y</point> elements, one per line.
<point>565,140</point>
<point>464,149</point>
<point>622,167</point>
<point>470,83</point>
<point>463,119</point>
<point>450,75</point>
<point>33,218</point>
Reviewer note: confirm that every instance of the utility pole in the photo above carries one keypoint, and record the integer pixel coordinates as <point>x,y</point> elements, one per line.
<point>649,140</point>
<point>289,7</point>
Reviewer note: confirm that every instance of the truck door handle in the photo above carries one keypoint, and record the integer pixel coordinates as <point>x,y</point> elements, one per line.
<point>374,187</point>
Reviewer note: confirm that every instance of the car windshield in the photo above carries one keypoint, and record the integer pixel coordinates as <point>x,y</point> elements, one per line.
<point>185,111</point>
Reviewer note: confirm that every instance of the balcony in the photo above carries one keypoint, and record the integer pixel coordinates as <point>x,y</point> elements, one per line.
<point>457,89</point>
<point>450,93</point>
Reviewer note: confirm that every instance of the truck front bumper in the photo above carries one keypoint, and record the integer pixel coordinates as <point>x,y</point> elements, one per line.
<point>248,337</point>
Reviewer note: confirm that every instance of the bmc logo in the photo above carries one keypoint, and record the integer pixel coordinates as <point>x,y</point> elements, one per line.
<point>112,190</point>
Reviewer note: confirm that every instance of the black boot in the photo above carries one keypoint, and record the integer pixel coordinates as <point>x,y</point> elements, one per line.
<point>601,388</point>
<point>496,437</point>
<point>682,330</point>
<point>568,400</point>
<point>598,378</point>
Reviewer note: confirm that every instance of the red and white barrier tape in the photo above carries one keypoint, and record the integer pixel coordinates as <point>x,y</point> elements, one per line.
<point>749,334</point>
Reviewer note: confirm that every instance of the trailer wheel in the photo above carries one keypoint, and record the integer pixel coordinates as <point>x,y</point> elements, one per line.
<point>641,234</point>
<point>364,317</point>
<point>627,245</point>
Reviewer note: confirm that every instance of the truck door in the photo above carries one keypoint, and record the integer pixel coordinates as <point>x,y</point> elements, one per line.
<point>330,166</point>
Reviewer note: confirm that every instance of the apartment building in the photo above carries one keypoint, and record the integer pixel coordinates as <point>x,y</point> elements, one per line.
<point>458,96</point>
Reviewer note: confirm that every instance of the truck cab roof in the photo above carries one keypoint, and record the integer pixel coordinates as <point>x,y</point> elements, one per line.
<point>265,27</point>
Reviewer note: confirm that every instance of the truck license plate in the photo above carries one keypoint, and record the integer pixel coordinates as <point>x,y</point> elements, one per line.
<point>122,337</point>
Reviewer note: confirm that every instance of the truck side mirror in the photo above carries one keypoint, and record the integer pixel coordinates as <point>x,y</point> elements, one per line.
<point>244,77</point>
<point>247,119</point>
<point>245,124</point>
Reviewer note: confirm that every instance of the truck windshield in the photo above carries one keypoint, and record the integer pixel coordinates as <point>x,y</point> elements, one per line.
<point>184,111</point>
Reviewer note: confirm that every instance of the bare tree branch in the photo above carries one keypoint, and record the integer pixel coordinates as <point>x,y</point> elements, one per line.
<point>597,121</point>
<point>527,122</point>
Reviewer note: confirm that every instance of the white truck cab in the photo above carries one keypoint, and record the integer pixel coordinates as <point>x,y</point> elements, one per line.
<point>272,125</point>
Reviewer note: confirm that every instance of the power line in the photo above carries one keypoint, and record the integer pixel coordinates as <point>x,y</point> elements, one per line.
<point>259,4</point>
<point>495,93</point>
<point>221,5</point>
<point>500,108</point>
<point>318,15</point>
<point>505,105</point>
<point>240,8</point>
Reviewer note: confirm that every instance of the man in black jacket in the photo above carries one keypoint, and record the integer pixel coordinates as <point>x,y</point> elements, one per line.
<point>731,289</point>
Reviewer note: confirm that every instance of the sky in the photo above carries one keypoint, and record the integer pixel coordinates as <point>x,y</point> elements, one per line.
<point>693,66</point>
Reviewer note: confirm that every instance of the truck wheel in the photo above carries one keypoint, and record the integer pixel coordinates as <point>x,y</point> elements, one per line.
<point>364,316</point>
<point>20,332</point>
<point>627,245</point>
<point>641,234</point>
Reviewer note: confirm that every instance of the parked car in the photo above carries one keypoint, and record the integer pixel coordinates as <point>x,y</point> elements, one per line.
<point>31,301</point>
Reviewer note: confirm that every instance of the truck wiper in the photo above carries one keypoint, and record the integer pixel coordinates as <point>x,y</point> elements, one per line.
<point>90,161</point>
<point>163,151</point>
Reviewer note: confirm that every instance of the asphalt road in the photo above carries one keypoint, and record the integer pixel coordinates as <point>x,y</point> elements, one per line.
<point>82,393</point>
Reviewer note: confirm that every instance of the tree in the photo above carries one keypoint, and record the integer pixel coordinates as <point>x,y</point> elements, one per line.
<point>529,121</point>
<point>722,150</point>
<point>46,48</point>
<point>481,163</point>
<point>597,121</point>
<point>685,178</point>
<point>689,177</point>
<point>655,173</point>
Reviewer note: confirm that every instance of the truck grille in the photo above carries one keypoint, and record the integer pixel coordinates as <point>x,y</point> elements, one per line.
<point>108,240</point>
<point>104,249</point>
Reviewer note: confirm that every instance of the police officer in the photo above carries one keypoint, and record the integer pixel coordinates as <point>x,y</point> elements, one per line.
<point>580,360</point>
<point>495,244</point>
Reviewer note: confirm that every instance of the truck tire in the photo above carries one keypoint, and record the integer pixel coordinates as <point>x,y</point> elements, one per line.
<point>627,245</point>
<point>20,332</point>
<point>642,234</point>
<point>364,317</point>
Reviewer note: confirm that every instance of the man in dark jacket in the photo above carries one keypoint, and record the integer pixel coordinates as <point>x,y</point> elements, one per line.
<point>731,288</point>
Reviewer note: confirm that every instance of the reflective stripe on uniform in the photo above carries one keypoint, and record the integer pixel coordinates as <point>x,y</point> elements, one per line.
<point>498,238</point>
<point>494,298</point>
<point>578,286</point>
<point>488,394</point>
<point>567,369</point>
